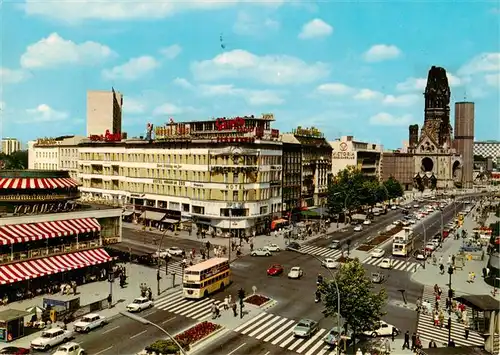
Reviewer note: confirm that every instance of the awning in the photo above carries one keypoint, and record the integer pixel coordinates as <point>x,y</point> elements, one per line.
<point>36,183</point>
<point>170,220</point>
<point>127,213</point>
<point>26,270</point>
<point>153,216</point>
<point>19,233</point>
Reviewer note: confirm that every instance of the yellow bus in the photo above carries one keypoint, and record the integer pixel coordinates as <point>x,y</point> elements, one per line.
<point>207,277</point>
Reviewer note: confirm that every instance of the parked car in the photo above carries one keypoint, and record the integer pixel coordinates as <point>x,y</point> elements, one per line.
<point>367,222</point>
<point>358,228</point>
<point>377,253</point>
<point>305,328</point>
<point>89,322</point>
<point>386,263</point>
<point>50,338</point>
<point>275,269</point>
<point>295,273</point>
<point>383,329</point>
<point>330,263</point>
<point>335,244</point>
<point>430,246</point>
<point>139,304</point>
<point>175,251</point>
<point>293,245</point>
<point>420,255</point>
<point>273,247</point>
<point>261,252</point>
<point>332,338</point>
<point>14,350</point>
<point>71,348</point>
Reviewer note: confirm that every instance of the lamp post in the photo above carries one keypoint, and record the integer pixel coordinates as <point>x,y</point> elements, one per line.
<point>336,288</point>
<point>148,322</point>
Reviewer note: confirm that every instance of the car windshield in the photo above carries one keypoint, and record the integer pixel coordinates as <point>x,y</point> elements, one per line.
<point>46,335</point>
<point>137,301</point>
<point>86,319</point>
<point>63,348</point>
<point>303,325</point>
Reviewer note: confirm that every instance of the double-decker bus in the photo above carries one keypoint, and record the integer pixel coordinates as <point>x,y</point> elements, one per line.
<point>205,278</point>
<point>403,242</point>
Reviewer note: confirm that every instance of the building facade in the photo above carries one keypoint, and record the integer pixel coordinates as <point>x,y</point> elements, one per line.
<point>366,157</point>
<point>10,145</point>
<point>104,112</point>
<point>464,139</point>
<point>60,153</point>
<point>223,174</point>
<point>400,166</point>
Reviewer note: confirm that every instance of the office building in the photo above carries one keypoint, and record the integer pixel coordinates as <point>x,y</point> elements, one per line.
<point>348,152</point>
<point>10,145</point>
<point>104,112</point>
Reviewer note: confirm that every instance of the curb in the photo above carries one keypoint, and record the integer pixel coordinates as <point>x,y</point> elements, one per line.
<point>194,347</point>
<point>268,304</point>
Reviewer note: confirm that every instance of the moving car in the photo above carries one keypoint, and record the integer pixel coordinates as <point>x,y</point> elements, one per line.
<point>175,251</point>
<point>430,246</point>
<point>261,252</point>
<point>335,244</point>
<point>332,338</point>
<point>386,263</point>
<point>161,254</point>
<point>377,277</point>
<point>383,329</point>
<point>293,245</point>
<point>330,263</point>
<point>71,348</point>
<point>305,328</point>
<point>377,253</point>
<point>420,255</point>
<point>358,228</point>
<point>273,247</point>
<point>89,322</point>
<point>140,304</point>
<point>14,350</point>
<point>295,273</point>
<point>50,338</point>
<point>275,269</point>
<point>367,222</point>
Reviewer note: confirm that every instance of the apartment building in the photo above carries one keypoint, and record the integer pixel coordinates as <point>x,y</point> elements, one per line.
<point>60,153</point>
<point>223,174</point>
<point>10,145</point>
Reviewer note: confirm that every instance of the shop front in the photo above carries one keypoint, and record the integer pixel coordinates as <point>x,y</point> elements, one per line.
<point>12,324</point>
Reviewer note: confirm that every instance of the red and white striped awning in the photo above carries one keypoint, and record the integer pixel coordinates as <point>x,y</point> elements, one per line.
<point>36,183</point>
<point>20,233</point>
<point>31,269</point>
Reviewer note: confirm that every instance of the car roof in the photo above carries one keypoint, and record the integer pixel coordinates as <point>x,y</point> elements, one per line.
<point>53,330</point>
<point>295,267</point>
<point>306,320</point>
<point>140,298</point>
<point>91,315</point>
<point>71,343</point>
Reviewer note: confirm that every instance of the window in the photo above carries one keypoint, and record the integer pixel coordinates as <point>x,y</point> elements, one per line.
<point>235,178</point>
<point>198,209</point>
<point>235,195</point>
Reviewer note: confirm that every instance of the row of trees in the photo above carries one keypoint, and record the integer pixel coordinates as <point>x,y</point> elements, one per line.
<point>351,189</point>
<point>17,160</point>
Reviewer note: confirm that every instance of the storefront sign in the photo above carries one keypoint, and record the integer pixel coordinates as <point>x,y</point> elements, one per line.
<point>197,185</point>
<point>234,187</point>
<point>235,139</point>
<point>173,130</point>
<point>46,141</point>
<point>169,166</point>
<point>107,137</point>
<point>234,124</point>
<point>343,155</point>
<point>169,182</point>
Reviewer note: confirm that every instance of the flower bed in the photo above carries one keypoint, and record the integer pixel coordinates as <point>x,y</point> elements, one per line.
<point>379,239</point>
<point>257,300</point>
<point>186,339</point>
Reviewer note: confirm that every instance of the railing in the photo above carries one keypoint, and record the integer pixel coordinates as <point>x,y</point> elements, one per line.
<point>43,252</point>
<point>44,197</point>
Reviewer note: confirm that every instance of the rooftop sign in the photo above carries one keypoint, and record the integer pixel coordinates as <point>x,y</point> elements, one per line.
<point>173,131</point>
<point>46,141</point>
<point>308,132</point>
<point>107,137</point>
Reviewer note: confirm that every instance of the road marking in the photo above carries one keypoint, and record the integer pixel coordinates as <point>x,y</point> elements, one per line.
<point>134,336</point>
<point>168,320</point>
<point>267,353</point>
<point>150,313</point>
<point>238,348</point>
<point>110,330</point>
<point>102,351</point>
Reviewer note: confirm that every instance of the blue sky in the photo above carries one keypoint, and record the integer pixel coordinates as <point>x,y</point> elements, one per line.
<point>356,69</point>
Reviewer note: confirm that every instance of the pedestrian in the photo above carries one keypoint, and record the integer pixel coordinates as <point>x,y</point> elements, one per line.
<point>393,333</point>
<point>466,330</point>
<point>406,344</point>
<point>451,344</point>
<point>449,259</point>
<point>235,313</point>
<point>441,269</point>
<point>359,352</point>
<point>432,344</point>
<point>413,341</point>
<point>226,303</point>
<point>436,319</point>
<point>453,260</point>
<point>441,259</point>
<point>419,305</point>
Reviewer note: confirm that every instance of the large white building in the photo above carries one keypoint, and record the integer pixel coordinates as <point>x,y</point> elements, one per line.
<point>59,153</point>
<point>350,153</point>
<point>10,145</point>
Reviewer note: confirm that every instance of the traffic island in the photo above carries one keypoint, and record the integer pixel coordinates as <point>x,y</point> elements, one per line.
<point>260,301</point>
<point>379,239</point>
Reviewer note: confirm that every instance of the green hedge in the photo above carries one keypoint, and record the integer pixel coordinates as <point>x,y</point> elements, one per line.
<point>165,347</point>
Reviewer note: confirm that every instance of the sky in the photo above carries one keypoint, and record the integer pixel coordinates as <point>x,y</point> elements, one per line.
<point>347,68</point>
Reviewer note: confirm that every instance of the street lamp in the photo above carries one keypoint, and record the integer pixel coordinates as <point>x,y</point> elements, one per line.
<point>148,322</point>
<point>336,288</point>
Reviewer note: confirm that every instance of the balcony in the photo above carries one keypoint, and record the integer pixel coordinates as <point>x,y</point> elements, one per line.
<point>50,251</point>
<point>40,197</point>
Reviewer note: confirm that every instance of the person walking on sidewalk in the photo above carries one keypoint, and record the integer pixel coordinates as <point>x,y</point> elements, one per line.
<point>413,341</point>
<point>432,344</point>
<point>235,310</point>
<point>226,303</point>
<point>406,344</point>
<point>466,330</point>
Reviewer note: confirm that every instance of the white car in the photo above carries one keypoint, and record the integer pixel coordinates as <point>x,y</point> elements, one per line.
<point>330,263</point>
<point>416,206</point>
<point>386,263</point>
<point>384,329</point>
<point>273,247</point>
<point>89,322</point>
<point>71,348</point>
<point>406,223</point>
<point>175,251</point>
<point>394,207</point>
<point>295,273</point>
<point>358,228</point>
<point>50,338</point>
<point>377,253</point>
<point>430,246</point>
<point>261,252</point>
<point>367,222</point>
<point>420,255</point>
<point>412,221</point>
<point>140,304</point>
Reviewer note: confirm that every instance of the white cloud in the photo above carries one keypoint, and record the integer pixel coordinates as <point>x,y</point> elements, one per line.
<point>269,69</point>
<point>252,97</point>
<point>367,94</point>
<point>335,89</point>
<point>386,119</point>
<point>74,11</point>
<point>381,52</point>
<point>183,83</point>
<point>172,51</point>
<point>401,100</point>
<point>171,109</point>
<point>419,84</point>
<point>493,79</point>
<point>134,69</point>
<point>315,28</point>
<point>247,24</point>
<point>12,76</point>
<point>2,105</point>
<point>54,51</point>
<point>133,106</point>
<point>45,113</point>
<point>485,62</point>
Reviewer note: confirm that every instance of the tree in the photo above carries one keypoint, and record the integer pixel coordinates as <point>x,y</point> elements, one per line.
<point>15,161</point>
<point>394,188</point>
<point>345,191</point>
<point>360,307</point>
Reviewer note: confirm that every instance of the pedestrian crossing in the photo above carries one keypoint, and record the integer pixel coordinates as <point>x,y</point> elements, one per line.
<point>196,309</point>
<point>321,251</point>
<point>427,331</point>
<point>277,330</point>
<point>398,264</point>
<point>175,266</point>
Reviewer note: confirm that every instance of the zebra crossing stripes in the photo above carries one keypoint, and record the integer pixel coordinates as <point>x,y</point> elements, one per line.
<point>176,303</point>
<point>320,251</point>
<point>173,267</point>
<point>398,264</point>
<point>277,330</point>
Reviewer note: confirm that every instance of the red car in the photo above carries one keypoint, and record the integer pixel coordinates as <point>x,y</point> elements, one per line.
<point>14,350</point>
<point>275,270</point>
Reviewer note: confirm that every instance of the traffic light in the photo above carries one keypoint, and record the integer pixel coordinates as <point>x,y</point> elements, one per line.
<point>241,294</point>
<point>451,293</point>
